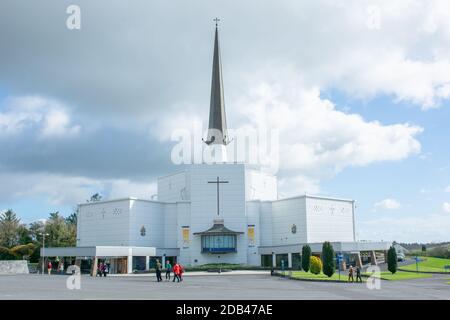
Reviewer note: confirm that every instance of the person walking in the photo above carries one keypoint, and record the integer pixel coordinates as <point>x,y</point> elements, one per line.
<point>180,274</point>
<point>61,267</point>
<point>168,270</point>
<point>158,270</point>
<point>358,274</point>
<point>105,269</point>
<point>176,272</point>
<point>99,269</point>
<point>350,274</point>
<point>49,268</point>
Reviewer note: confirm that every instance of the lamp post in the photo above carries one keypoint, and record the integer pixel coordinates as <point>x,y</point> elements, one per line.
<point>272,270</point>
<point>220,265</point>
<point>218,257</point>
<point>43,249</point>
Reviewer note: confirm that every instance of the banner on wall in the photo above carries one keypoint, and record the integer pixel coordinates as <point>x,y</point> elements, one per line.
<point>185,236</point>
<point>251,235</point>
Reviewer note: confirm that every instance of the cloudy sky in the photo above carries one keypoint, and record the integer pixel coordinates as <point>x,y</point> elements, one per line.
<point>359,91</point>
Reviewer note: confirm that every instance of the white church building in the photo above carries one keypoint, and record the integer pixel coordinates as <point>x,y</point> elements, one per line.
<point>215,213</point>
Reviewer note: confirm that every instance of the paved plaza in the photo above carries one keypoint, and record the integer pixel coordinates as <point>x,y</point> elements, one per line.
<point>225,286</point>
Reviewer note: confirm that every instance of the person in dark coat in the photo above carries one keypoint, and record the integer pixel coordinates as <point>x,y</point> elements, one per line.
<point>158,270</point>
<point>358,274</point>
<point>99,270</point>
<point>105,269</point>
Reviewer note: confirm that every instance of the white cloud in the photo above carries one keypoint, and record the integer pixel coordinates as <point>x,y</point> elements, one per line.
<point>447,189</point>
<point>69,190</point>
<point>317,140</point>
<point>406,57</point>
<point>446,207</point>
<point>297,185</point>
<point>426,228</point>
<point>57,123</point>
<point>330,43</point>
<point>388,204</point>
<point>47,116</point>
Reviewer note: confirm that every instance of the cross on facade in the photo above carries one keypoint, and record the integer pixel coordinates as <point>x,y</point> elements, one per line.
<point>218,182</point>
<point>216,20</point>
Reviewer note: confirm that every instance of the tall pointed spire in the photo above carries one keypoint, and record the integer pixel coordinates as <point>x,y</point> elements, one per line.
<point>217,130</point>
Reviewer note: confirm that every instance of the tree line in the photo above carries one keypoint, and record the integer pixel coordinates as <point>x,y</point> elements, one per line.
<point>23,241</point>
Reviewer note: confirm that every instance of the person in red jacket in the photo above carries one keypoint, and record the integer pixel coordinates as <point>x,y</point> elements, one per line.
<point>49,267</point>
<point>176,272</point>
<point>181,272</point>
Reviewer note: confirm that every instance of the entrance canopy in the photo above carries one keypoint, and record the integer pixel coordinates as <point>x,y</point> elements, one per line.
<point>99,251</point>
<point>218,229</point>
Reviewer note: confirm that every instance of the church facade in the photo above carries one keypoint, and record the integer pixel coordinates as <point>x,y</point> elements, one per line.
<point>249,209</point>
<point>215,213</point>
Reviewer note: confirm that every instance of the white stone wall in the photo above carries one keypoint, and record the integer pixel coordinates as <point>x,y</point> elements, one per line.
<point>105,223</point>
<point>232,208</point>
<point>174,187</point>
<point>253,218</point>
<point>14,267</point>
<point>170,213</point>
<point>260,185</point>
<point>266,221</point>
<point>286,213</point>
<point>150,215</point>
<point>329,220</point>
<point>184,219</point>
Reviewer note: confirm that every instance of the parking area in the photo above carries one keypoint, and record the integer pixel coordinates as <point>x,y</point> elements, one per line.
<point>214,286</point>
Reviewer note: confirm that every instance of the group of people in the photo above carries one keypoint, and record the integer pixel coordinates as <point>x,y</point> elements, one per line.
<point>352,271</point>
<point>59,264</point>
<point>102,269</point>
<point>177,270</point>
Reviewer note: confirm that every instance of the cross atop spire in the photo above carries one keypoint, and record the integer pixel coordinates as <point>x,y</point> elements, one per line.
<point>217,130</point>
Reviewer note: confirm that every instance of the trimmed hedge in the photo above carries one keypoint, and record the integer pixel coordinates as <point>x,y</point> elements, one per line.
<point>315,265</point>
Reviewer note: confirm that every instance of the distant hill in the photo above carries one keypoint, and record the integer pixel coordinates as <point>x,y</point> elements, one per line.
<point>418,246</point>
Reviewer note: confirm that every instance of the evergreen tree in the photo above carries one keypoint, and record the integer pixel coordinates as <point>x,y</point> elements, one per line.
<point>60,233</point>
<point>36,229</point>
<point>9,229</point>
<point>392,260</point>
<point>72,219</point>
<point>306,256</point>
<point>95,197</point>
<point>328,259</point>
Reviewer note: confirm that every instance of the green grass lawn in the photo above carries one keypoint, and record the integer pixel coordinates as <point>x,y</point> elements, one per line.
<point>429,264</point>
<point>385,275</point>
<point>320,276</point>
<point>401,275</point>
